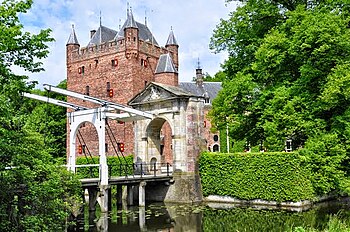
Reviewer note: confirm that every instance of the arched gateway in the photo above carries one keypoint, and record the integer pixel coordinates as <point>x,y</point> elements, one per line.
<point>184,114</point>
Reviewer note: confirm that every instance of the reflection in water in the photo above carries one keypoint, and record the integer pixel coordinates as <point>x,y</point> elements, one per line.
<point>160,217</point>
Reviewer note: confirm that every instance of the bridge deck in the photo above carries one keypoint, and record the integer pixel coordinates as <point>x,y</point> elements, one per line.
<point>124,180</point>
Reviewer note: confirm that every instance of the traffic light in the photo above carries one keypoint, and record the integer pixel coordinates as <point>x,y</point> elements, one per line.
<point>80,149</point>
<point>121,147</point>
<point>110,93</point>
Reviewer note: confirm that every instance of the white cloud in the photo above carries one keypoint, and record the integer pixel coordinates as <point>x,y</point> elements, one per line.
<point>193,22</point>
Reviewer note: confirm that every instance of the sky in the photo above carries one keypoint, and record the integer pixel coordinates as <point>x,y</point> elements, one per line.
<point>192,21</point>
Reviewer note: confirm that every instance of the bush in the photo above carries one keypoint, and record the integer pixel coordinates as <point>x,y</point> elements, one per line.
<point>117,166</point>
<point>248,176</point>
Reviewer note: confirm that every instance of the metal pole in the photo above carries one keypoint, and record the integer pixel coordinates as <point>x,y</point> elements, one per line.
<point>227,139</point>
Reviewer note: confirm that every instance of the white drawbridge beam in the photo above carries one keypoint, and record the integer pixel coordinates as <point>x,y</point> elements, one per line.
<point>54,101</point>
<point>101,102</point>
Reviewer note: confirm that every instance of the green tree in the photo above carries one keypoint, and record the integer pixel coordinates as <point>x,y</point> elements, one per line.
<point>287,78</point>
<point>35,194</point>
<point>49,120</point>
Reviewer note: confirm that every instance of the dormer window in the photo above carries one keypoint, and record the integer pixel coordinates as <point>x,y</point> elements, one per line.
<point>206,98</point>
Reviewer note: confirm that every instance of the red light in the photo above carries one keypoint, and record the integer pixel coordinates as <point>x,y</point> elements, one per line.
<point>121,147</point>
<point>110,93</point>
<point>80,149</point>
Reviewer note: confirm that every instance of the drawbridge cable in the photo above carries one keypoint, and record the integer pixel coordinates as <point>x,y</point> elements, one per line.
<point>114,140</point>
<point>81,142</point>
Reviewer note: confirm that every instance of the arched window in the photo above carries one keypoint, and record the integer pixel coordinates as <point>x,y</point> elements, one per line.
<point>215,148</point>
<point>216,138</point>
<point>153,164</point>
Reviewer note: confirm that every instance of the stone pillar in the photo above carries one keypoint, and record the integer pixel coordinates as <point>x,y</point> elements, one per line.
<point>103,198</point>
<point>130,195</point>
<point>142,194</point>
<point>142,218</point>
<point>92,198</point>
<point>119,194</point>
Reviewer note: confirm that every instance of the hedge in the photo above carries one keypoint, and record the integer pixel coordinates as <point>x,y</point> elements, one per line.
<point>247,176</point>
<point>115,169</point>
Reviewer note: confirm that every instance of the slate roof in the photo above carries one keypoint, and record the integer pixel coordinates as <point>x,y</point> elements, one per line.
<point>210,89</point>
<point>144,33</point>
<point>165,64</point>
<point>178,91</point>
<point>102,35</point>
<point>72,37</point>
<point>171,39</point>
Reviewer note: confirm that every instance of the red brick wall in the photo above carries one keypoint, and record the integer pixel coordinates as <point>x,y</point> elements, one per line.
<point>167,78</point>
<point>135,64</point>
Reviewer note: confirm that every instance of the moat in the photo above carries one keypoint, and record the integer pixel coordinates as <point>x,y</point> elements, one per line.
<point>178,217</point>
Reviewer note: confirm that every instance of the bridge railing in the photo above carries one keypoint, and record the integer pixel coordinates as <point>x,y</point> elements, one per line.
<point>136,169</point>
<point>142,169</point>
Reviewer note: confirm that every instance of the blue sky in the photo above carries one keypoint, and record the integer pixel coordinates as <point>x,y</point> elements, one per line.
<point>193,22</point>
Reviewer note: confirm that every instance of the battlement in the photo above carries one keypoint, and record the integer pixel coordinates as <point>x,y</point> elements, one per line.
<point>113,46</point>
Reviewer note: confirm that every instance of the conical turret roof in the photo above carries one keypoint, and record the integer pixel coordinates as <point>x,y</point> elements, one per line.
<point>165,64</point>
<point>130,21</point>
<point>72,40</point>
<point>171,39</point>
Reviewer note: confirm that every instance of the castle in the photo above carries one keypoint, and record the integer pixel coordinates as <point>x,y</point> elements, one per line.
<point>116,66</point>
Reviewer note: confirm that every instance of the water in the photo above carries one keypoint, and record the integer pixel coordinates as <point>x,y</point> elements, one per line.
<point>161,217</point>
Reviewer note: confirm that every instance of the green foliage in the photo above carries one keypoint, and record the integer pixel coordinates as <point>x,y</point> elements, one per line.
<point>49,120</point>
<point>118,166</point>
<point>268,176</point>
<point>35,194</point>
<point>287,72</point>
<point>288,78</point>
<point>324,155</point>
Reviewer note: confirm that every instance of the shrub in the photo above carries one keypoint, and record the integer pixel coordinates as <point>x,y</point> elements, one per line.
<point>248,176</point>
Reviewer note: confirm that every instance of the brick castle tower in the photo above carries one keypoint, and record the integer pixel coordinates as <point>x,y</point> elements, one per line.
<point>117,65</point>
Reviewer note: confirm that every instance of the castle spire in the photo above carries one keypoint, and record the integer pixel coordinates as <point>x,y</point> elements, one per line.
<point>72,40</point>
<point>171,39</point>
<point>130,21</point>
<point>199,74</point>
<point>145,18</point>
<point>100,27</point>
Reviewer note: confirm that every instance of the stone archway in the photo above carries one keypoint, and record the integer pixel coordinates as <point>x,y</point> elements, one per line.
<point>185,115</point>
<point>159,142</point>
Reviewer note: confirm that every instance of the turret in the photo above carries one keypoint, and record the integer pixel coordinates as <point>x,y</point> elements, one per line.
<point>166,72</point>
<point>173,48</point>
<point>72,46</point>
<point>131,35</point>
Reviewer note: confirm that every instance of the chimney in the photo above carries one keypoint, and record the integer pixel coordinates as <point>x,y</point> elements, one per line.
<point>199,77</point>
<point>92,32</point>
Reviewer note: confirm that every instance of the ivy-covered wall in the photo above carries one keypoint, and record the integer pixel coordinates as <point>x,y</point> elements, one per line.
<point>268,176</point>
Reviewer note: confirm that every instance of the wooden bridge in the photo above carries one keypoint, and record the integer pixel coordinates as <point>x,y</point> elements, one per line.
<point>143,174</point>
